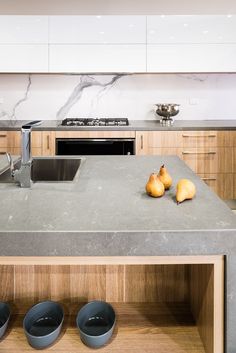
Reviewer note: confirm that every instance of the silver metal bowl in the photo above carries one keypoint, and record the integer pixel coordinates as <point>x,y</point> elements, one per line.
<point>167,110</point>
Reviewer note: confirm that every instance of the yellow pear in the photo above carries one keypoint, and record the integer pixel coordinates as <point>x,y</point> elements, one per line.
<point>165,177</point>
<point>185,190</point>
<point>154,186</point>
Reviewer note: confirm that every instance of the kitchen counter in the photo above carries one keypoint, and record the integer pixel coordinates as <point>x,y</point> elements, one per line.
<point>135,125</point>
<point>110,197</point>
<point>107,213</point>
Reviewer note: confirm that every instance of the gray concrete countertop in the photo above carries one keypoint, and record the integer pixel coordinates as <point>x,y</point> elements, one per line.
<point>135,125</point>
<point>107,213</point>
<point>110,196</point>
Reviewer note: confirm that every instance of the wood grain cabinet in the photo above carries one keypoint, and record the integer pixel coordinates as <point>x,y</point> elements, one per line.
<point>10,141</point>
<point>163,303</point>
<point>210,154</point>
<point>48,143</point>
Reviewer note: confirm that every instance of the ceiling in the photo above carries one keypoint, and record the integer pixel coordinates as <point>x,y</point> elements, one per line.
<point>125,7</point>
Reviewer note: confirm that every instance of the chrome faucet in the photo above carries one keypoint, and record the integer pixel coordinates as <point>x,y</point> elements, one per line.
<point>23,175</point>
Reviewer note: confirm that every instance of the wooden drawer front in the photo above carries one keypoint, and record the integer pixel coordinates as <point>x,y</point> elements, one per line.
<point>10,139</point>
<point>36,139</point>
<point>231,135</point>
<point>226,138</point>
<point>199,139</point>
<point>165,151</point>
<point>3,139</point>
<point>222,184</point>
<point>164,139</point>
<point>209,160</point>
<point>95,134</point>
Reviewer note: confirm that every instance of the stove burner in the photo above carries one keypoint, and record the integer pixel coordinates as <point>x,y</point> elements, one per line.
<point>95,122</point>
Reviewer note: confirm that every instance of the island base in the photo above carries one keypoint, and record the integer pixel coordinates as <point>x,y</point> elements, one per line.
<point>163,304</point>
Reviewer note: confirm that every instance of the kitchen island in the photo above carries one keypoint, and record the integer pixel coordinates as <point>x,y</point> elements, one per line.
<point>106,219</point>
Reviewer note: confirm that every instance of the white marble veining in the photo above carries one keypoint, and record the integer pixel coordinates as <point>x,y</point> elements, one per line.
<point>49,97</point>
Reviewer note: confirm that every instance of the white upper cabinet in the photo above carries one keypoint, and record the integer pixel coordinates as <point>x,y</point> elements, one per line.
<point>23,58</point>
<point>191,58</point>
<point>97,29</point>
<point>23,29</point>
<point>199,43</point>
<point>24,44</point>
<point>97,58</point>
<point>83,44</point>
<point>191,29</point>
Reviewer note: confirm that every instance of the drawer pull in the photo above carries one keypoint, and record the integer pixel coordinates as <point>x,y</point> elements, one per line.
<point>198,135</point>
<point>3,135</point>
<point>208,179</point>
<point>2,152</point>
<point>193,152</point>
<point>141,142</point>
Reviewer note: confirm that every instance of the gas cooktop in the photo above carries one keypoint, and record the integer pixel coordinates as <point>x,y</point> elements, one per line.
<point>95,122</point>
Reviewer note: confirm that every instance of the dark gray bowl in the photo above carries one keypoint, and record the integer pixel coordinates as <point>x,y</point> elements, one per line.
<point>96,322</point>
<point>4,317</point>
<point>42,324</point>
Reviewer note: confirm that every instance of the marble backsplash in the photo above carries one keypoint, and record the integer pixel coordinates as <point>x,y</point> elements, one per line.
<point>50,97</point>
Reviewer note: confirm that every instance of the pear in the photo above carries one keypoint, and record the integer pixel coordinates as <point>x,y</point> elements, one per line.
<point>154,186</point>
<point>165,177</point>
<point>185,190</point>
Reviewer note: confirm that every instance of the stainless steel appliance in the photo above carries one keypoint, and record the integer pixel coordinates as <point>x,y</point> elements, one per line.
<point>95,146</point>
<point>166,112</point>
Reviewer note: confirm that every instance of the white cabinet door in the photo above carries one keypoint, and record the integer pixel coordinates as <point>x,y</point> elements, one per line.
<point>23,58</point>
<point>23,29</point>
<point>191,29</point>
<point>97,58</point>
<point>97,29</point>
<point>191,58</point>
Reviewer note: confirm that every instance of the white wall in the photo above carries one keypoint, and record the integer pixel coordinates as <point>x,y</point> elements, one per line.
<point>50,97</point>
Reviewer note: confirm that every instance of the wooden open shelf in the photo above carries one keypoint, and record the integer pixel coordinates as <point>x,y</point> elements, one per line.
<point>163,304</point>
<point>140,327</point>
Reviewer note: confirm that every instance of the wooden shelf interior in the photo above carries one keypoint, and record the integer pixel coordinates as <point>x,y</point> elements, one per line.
<point>160,308</point>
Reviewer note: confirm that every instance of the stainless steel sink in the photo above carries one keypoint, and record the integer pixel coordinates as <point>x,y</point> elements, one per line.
<point>48,170</point>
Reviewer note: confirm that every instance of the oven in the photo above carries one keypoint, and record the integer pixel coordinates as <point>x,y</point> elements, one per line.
<point>96,146</point>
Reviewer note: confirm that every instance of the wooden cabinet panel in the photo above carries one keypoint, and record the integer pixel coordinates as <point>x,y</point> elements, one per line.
<point>221,183</point>
<point>10,139</point>
<point>209,160</point>
<point>211,154</point>
<point>36,139</point>
<point>48,143</point>
<point>3,139</point>
<point>198,139</point>
<point>164,139</point>
<point>95,134</point>
<point>141,143</point>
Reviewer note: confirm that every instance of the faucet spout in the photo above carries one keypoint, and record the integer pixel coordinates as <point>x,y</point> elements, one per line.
<point>26,144</point>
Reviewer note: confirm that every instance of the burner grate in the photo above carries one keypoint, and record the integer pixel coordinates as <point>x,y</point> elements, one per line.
<point>95,122</point>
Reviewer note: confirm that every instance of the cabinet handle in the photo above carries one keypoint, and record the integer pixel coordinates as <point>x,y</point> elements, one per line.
<point>48,144</point>
<point>184,135</point>
<point>2,152</point>
<point>213,179</point>
<point>192,152</point>
<point>3,135</point>
<point>141,142</point>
